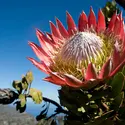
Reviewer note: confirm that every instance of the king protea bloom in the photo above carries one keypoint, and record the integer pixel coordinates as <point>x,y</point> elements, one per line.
<point>81,55</point>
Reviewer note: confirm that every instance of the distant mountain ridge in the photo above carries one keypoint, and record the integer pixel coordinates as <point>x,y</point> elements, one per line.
<point>9,116</point>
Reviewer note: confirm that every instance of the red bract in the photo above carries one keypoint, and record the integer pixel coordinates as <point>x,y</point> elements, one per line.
<point>81,55</point>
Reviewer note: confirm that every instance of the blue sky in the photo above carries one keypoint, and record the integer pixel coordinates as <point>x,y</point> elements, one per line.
<point>18,20</point>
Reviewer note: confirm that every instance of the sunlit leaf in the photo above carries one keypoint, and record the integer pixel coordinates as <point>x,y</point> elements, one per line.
<point>36,95</point>
<point>29,77</point>
<point>24,83</point>
<point>19,108</point>
<point>22,100</point>
<point>81,109</point>
<point>17,85</point>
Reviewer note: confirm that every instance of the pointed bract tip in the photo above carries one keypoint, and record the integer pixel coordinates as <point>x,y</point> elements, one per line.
<point>52,25</point>
<point>91,9</point>
<point>29,58</point>
<point>46,78</point>
<point>56,19</point>
<point>38,32</point>
<point>67,13</point>
<point>121,12</point>
<point>30,43</point>
<point>100,10</point>
<point>83,12</point>
<point>115,12</point>
<point>36,29</point>
<point>50,21</point>
<point>120,15</point>
<point>101,14</point>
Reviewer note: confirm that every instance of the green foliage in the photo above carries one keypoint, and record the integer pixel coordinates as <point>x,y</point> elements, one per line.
<point>117,84</point>
<point>29,77</point>
<point>24,83</point>
<point>23,90</point>
<point>19,107</point>
<point>109,9</point>
<point>36,95</point>
<point>17,85</point>
<point>102,104</point>
<point>22,100</point>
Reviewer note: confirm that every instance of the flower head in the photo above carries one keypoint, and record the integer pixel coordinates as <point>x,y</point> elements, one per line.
<point>83,54</point>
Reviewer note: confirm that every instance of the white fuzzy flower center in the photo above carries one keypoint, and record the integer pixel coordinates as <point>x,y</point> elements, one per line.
<point>82,46</point>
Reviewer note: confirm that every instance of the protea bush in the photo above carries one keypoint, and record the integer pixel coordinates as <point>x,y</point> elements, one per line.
<point>87,62</point>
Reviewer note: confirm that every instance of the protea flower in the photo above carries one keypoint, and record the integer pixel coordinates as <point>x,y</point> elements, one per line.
<point>81,55</point>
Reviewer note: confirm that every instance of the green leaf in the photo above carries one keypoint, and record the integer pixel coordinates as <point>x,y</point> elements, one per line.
<point>17,85</point>
<point>24,83</point>
<point>29,77</point>
<point>36,95</point>
<point>25,86</point>
<point>118,101</point>
<point>81,109</point>
<point>22,100</point>
<point>18,107</point>
<point>117,84</point>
